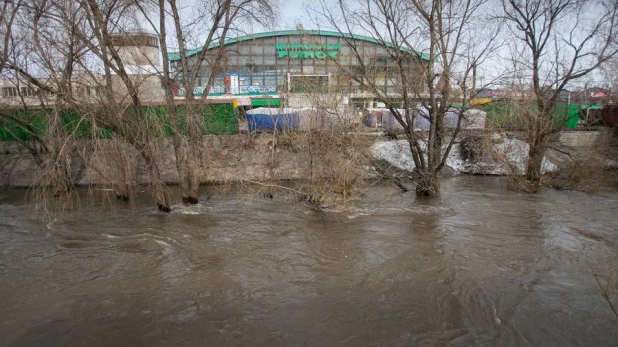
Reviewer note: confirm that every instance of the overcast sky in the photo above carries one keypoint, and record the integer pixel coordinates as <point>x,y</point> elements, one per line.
<point>293,12</point>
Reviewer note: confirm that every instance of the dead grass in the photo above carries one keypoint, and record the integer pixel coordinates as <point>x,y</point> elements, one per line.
<point>332,164</point>
<point>604,269</point>
<point>586,168</point>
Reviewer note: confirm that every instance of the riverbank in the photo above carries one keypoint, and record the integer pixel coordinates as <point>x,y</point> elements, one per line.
<point>268,157</point>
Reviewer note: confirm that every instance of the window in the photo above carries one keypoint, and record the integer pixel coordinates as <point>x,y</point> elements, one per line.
<point>43,92</point>
<point>243,49</point>
<point>321,69</point>
<point>308,84</point>
<point>270,60</point>
<point>99,90</point>
<point>9,92</point>
<point>242,60</point>
<point>332,40</point>
<point>28,92</point>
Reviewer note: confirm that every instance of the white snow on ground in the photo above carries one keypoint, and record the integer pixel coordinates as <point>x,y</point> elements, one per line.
<point>509,156</point>
<point>398,154</point>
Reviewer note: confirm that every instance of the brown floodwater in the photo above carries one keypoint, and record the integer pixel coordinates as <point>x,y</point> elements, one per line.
<point>478,266</point>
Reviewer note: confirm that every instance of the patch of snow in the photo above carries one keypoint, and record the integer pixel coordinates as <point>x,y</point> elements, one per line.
<point>398,154</point>
<point>509,156</point>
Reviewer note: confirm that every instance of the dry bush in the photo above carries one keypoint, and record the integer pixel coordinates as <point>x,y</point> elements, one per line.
<point>586,167</point>
<point>585,174</point>
<point>604,268</point>
<point>336,166</point>
<point>332,166</point>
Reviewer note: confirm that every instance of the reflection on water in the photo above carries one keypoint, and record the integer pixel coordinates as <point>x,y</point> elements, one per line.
<point>477,266</point>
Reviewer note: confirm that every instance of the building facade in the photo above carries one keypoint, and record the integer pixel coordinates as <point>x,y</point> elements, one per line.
<point>139,53</point>
<point>295,63</point>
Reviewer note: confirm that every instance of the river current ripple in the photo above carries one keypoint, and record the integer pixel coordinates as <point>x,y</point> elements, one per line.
<point>478,266</point>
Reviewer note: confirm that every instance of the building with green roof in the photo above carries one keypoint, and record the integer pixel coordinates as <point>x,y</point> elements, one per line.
<point>286,64</point>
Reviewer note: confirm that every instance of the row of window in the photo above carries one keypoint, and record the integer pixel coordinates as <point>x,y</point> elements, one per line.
<point>23,91</point>
<point>9,92</point>
<point>258,63</point>
<point>281,52</point>
<point>268,47</point>
<point>271,84</point>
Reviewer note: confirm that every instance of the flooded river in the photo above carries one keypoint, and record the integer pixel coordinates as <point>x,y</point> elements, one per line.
<point>479,266</point>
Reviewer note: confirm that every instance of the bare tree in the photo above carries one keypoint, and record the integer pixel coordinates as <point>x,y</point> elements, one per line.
<point>215,24</point>
<point>84,35</point>
<point>61,40</point>
<point>610,73</point>
<point>41,40</point>
<point>559,41</point>
<point>8,15</point>
<point>104,18</point>
<point>412,83</point>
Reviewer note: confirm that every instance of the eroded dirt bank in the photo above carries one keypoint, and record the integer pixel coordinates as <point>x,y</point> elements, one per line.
<point>268,157</point>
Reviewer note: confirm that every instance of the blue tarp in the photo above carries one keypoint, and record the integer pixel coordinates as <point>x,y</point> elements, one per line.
<point>421,120</point>
<point>264,118</point>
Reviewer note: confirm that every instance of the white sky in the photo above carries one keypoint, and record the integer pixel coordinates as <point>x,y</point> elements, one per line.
<point>292,12</point>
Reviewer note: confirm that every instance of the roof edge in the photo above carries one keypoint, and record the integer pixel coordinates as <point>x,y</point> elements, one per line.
<point>174,56</point>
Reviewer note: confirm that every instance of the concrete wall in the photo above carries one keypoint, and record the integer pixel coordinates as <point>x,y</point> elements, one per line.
<point>231,157</point>
<point>580,138</point>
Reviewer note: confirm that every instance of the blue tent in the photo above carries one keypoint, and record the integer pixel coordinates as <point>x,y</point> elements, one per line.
<point>264,118</point>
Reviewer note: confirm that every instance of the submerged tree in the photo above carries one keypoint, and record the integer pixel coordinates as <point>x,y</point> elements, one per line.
<point>66,54</point>
<point>40,54</point>
<point>211,28</point>
<point>558,41</point>
<point>428,83</point>
<point>64,48</point>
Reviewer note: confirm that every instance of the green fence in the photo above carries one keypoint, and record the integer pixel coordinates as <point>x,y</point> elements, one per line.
<point>22,124</point>
<point>217,119</point>
<point>507,114</point>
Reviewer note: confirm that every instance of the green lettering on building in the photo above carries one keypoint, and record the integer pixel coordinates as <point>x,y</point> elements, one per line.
<point>305,51</point>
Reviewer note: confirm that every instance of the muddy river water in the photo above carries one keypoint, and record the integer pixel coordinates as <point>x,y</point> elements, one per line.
<point>478,266</point>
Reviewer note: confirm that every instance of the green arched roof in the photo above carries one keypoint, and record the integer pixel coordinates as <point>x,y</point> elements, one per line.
<point>174,56</point>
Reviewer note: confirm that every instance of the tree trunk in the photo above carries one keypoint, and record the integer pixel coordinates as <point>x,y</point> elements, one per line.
<point>534,165</point>
<point>193,160</point>
<point>160,197</point>
<point>121,187</point>
<point>194,183</point>
<point>122,191</point>
<point>185,165</point>
<point>61,182</point>
<point>428,183</point>
<point>189,188</point>
<point>158,188</point>
<point>59,163</point>
<point>122,180</point>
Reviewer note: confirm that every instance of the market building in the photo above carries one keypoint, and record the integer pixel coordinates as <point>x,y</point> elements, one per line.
<point>284,67</point>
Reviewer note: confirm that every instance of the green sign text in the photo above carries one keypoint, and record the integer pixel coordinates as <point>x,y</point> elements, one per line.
<point>302,51</point>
